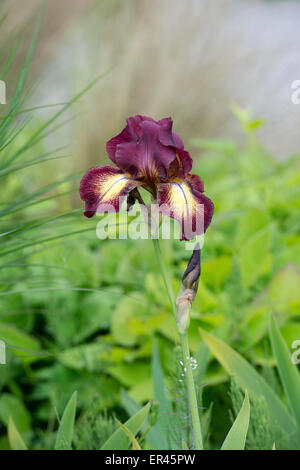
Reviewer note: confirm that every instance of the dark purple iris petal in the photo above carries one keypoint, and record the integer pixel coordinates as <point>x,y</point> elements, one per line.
<point>195,182</point>
<point>102,189</point>
<point>150,150</point>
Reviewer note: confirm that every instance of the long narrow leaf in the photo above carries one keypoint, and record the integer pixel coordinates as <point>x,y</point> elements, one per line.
<point>236,437</point>
<point>247,377</point>
<point>288,372</point>
<point>120,441</point>
<point>14,438</point>
<point>65,431</point>
<point>134,442</point>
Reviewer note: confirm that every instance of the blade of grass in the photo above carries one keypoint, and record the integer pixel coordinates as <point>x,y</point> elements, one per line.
<point>288,372</point>
<point>236,437</point>
<point>134,442</point>
<point>120,441</point>
<point>14,438</point>
<point>65,431</point>
<point>248,378</point>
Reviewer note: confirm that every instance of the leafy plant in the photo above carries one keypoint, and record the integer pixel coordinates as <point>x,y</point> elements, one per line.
<point>76,314</point>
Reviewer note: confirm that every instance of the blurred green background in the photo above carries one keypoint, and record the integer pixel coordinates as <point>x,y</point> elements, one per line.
<point>77,313</point>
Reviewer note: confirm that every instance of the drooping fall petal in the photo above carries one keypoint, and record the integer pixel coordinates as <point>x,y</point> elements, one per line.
<point>102,187</point>
<point>193,210</point>
<point>196,182</point>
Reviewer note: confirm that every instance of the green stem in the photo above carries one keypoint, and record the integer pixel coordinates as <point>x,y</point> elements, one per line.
<point>192,397</point>
<point>191,392</point>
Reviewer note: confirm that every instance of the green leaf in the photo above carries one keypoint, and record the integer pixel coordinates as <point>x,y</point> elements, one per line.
<point>255,255</point>
<point>158,432</point>
<point>15,440</point>
<point>247,378</point>
<point>236,437</point>
<point>287,370</point>
<point>65,431</point>
<point>21,343</point>
<point>85,356</point>
<point>120,441</point>
<point>184,445</point>
<point>128,308</point>
<point>130,405</point>
<point>134,442</point>
<point>11,406</point>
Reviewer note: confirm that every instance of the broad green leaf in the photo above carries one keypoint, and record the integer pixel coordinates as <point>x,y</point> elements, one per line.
<point>11,406</point>
<point>21,343</point>
<point>255,255</point>
<point>283,293</point>
<point>15,440</point>
<point>120,441</point>
<point>215,271</point>
<point>65,431</point>
<point>247,378</point>
<point>287,370</point>
<point>86,356</point>
<point>129,307</point>
<point>134,442</point>
<point>236,437</point>
<point>254,220</point>
<point>129,374</point>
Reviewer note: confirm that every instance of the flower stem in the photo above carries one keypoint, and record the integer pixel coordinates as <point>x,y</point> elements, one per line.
<point>192,398</point>
<point>197,434</point>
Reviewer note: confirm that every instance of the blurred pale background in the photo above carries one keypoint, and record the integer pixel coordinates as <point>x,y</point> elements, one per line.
<point>188,59</point>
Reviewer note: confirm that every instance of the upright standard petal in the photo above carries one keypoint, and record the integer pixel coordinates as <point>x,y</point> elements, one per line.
<point>147,159</point>
<point>149,150</point>
<point>102,189</point>
<point>180,200</point>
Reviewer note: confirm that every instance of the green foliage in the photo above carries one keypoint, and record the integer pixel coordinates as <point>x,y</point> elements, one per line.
<point>65,431</point>
<point>77,313</point>
<point>236,437</point>
<point>263,431</point>
<point>289,375</point>
<point>119,439</point>
<point>93,428</point>
<point>248,378</point>
<point>15,440</point>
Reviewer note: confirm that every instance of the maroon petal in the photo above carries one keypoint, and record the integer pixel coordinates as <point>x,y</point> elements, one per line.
<point>189,207</point>
<point>131,133</point>
<point>112,144</point>
<point>147,159</point>
<point>149,150</point>
<point>167,136</point>
<point>102,187</point>
<point>196,182</point>
<point>181,166</point>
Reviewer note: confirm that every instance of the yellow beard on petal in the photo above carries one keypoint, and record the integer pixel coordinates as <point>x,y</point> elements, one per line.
<point>111,187</point>
<point>181,196</point>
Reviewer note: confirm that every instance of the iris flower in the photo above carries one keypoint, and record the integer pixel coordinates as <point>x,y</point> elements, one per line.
<point>149,154</point>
